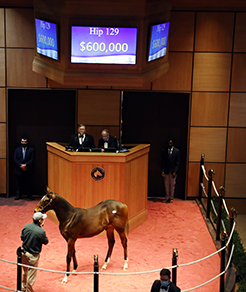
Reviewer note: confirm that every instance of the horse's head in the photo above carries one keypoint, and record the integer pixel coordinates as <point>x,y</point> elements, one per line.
<point>46,203</point>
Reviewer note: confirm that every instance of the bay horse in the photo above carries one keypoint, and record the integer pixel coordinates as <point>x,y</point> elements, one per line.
<point>76,223</point>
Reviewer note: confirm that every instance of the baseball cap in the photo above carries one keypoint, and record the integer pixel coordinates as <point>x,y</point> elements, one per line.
<point>38,215</point>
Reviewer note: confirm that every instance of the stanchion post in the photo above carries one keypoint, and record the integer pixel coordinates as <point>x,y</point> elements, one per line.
<point>231,222</point>
<point>221,195</point>
<point>174,263</point>
<point>96,275</point>
<point>210,180</point>
<point>201,178</point>
<point>222,262</point>
<point>19,268</point>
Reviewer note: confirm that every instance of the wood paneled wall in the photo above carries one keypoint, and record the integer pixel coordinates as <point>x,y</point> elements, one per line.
<point>206,58</point>
<point>216,46</point>
<point>99,109</point>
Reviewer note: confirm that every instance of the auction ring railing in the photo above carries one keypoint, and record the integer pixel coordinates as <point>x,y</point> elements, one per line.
<point>173,267</point>
<point>229,244</point>
<point>221,203</point>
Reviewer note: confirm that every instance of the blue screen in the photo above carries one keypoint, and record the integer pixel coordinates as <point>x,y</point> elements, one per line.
<point>46,38</point>
<point>103,45</point>
<point>158,41</point>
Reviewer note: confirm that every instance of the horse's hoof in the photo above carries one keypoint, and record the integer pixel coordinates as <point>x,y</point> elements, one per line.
<point>64,282</point>
<point>103,268</point>
<point>125,267</point>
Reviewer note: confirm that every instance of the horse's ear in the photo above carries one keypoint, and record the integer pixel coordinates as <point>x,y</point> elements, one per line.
<point>48,190</point>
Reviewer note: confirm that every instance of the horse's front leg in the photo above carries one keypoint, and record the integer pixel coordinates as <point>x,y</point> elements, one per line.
<point>111,241</point>
<point>75,263</point>
<point>70,255</point>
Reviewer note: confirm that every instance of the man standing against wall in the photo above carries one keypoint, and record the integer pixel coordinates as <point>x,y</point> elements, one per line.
<point>24,162</point>
<point>170,161</point>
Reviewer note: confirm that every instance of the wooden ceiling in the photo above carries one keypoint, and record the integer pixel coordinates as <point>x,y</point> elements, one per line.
<point>205,5</point>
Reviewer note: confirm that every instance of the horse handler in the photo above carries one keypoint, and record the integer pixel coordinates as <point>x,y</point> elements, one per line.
<point>33,237</point>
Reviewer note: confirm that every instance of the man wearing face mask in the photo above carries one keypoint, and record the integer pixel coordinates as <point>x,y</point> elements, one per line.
<point>24,162</point>
<point>164,284</point>
<point>170,161</point>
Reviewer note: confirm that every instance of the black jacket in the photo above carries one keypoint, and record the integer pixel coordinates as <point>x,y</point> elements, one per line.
<point>170,162</point>
<point>157,285</point>
<point>88,141</point>
<point>112,142</point>
<point>29,160</point>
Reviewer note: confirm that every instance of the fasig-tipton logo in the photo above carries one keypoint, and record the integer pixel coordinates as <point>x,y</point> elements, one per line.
<point>98,173</point>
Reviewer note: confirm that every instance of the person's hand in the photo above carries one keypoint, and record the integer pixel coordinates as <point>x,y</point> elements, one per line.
<point>41,223</point>
<point>174,174</point>
<point>23,167</point>
<point>162,173</point>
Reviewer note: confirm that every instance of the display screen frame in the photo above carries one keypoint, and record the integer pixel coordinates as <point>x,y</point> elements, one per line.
<point>47,38</point>
<point>107,45</point>
<point>158,41</point>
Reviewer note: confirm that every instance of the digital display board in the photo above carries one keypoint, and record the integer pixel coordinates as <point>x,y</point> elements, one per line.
<point>158,41</point>
<point>46,38</point>
<point>103,45</point>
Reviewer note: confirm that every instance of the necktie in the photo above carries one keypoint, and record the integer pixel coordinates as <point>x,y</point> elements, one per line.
<point>24,154</point>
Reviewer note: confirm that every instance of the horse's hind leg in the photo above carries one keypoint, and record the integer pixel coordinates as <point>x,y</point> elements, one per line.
<point>123,239</point>
<point>111,241</point>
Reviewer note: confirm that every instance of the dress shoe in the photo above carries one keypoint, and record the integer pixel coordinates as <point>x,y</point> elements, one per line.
<point>171,201</point>
<point>17,197</point>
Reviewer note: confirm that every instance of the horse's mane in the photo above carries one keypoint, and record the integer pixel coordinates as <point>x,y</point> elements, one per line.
<point>64,200</point>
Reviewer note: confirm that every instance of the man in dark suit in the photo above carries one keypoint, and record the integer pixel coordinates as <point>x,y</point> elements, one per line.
<point>164,284</point>
<point>24,161</point>
<point>170,161</point>
<point>107,141</point>
<point>81,139</point>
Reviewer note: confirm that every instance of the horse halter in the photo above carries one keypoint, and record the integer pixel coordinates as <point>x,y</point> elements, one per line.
<point>45,206</point>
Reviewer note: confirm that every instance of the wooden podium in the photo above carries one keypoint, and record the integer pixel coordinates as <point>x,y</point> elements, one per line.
<point>85,179</point>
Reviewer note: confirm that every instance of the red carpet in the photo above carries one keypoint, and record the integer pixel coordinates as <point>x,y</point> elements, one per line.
<point>178,225</point>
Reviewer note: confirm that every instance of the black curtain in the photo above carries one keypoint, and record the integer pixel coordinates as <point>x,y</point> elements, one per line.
<point>154,118</point>
<point>43,116</point>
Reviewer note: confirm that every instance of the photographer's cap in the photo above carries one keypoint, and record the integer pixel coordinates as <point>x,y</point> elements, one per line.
<point>38,215</point>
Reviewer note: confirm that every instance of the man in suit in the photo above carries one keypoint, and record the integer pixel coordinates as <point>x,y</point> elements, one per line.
<point>81,139</point>
<point>164,284</point>
<point>107,141</point>
<point>170,161</point>
<point>24,162</point>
